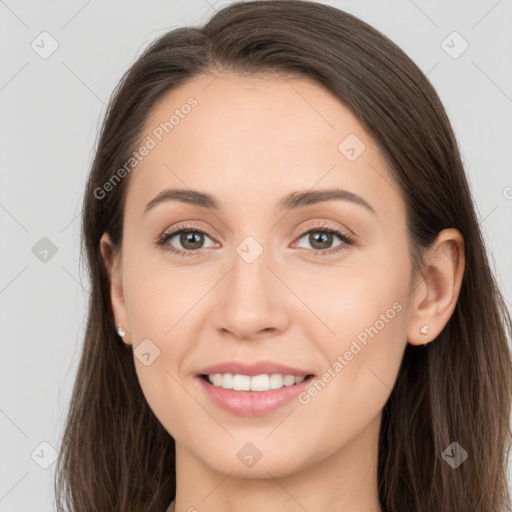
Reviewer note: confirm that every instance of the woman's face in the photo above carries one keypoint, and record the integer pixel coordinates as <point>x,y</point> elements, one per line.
<point>261,278</point>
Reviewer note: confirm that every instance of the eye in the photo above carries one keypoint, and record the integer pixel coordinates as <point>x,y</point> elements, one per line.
<point>190,237</point>
<point>321,238</point>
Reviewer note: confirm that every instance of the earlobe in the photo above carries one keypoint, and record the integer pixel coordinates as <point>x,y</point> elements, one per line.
<point>112,262</point>
<point>437,294</point>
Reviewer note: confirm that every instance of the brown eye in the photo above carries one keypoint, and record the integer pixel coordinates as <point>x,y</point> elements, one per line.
<point>320,239</point>
<point>185,241</point>
<point>191,240</point>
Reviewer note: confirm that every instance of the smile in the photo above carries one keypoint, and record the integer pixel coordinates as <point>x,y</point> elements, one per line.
<point>264,382</point>
<point>235,393</point>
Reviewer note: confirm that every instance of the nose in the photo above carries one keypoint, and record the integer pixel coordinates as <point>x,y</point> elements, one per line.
<point>252,300</point>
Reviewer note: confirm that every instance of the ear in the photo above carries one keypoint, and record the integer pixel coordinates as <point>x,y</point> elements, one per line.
<point>437,292</point>
<point>112,261</point>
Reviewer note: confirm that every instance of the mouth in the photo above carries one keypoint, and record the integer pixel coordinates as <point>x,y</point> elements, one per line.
<point>257,383</point>
<point>257,395</point>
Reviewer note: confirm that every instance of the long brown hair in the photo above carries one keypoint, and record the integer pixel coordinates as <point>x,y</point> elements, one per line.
<point>116,456</point>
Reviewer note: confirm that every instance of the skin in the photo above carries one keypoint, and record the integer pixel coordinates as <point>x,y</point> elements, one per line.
<point>250,141</point>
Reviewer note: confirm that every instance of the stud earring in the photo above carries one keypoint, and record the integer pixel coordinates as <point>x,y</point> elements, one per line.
<point>424,330</point>
<point>120,330</point>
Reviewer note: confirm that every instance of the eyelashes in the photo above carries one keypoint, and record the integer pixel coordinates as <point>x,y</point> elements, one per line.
<point>191,228</point>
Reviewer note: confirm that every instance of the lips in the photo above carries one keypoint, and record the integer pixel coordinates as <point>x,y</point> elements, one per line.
<point>252,403</point>
<point>252,369</point>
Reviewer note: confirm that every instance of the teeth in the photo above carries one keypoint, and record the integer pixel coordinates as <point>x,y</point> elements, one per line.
<point>263,382</point>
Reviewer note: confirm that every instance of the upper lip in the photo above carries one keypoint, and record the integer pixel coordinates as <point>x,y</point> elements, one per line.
<point>252,369</point>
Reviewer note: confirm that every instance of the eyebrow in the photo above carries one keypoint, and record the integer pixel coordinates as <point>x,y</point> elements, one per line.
<point>291,201</point>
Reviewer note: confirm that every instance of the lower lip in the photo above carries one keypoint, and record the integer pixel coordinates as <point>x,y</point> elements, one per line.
<point>252,403</point>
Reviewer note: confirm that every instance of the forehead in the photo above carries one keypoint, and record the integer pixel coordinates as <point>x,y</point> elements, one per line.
<point>281,110</point>
<point>255,135</point>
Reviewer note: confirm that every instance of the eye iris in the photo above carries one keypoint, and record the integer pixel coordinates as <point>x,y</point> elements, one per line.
<point>325,239</point>
<point>193,237</point>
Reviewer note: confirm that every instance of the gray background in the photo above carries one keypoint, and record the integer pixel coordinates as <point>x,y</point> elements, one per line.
<point>50,111</point>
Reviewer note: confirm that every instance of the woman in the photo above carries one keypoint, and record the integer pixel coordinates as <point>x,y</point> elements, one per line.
<point>336,339</point>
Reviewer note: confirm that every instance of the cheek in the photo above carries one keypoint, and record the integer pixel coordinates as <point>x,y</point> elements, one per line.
<point>158,293</point>
<point>368,317</point>
<point>363,309</point>
<point>157,299</point>
<point>362,298</point>
<point>162,302</point>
